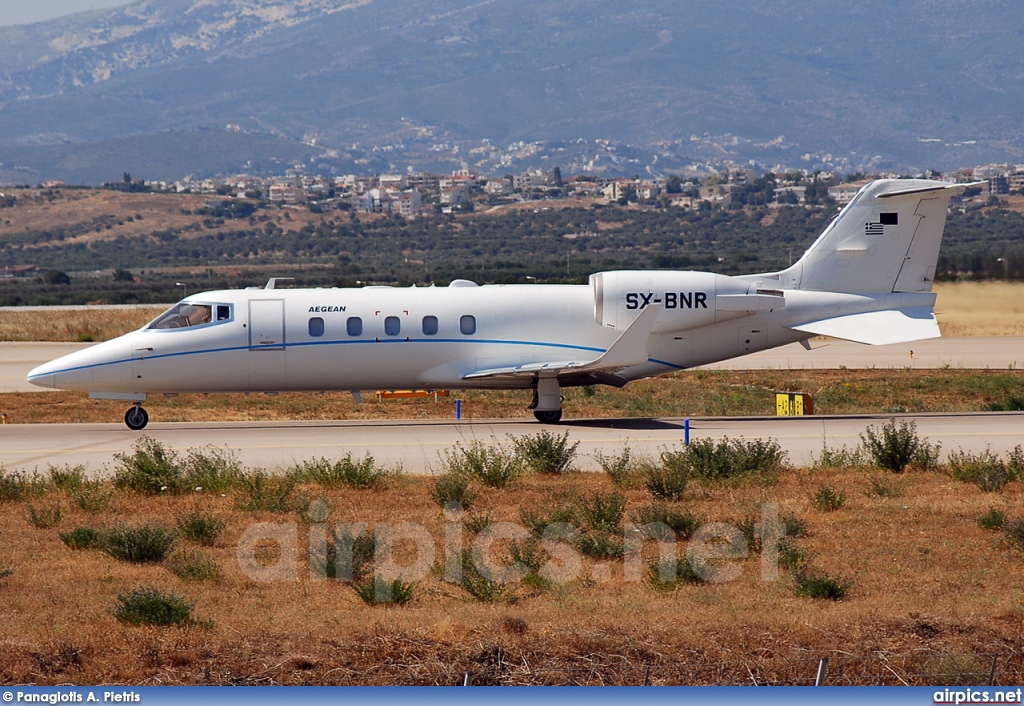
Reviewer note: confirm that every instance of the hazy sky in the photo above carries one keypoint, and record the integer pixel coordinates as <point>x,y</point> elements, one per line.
<point>17,12</point>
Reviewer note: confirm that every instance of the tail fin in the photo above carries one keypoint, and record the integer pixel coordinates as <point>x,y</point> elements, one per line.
<point>885,240</point>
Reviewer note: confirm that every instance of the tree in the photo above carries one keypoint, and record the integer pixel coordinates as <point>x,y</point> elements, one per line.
<point>629,195</point>
<point>556,177</point>
<point>123,275</point>
<point>788,197</point>
<point>56,277</point>
<point>816,193</point>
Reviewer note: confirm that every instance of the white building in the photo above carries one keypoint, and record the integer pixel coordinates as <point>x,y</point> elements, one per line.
<point>393,182</point>
<point>842,193</point>
<point>287,194</point>
<point>409,203</point>
<point>374,201</point>
<point>647,191</point>
<point>800,192</point>
<point>527,181</point>
<point>498,187</point>
<point>455,195</point>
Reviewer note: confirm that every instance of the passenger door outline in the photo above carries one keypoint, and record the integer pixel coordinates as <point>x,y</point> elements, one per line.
<point>266,324</point>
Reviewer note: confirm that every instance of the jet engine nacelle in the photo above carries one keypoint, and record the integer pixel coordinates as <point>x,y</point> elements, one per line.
<point>688,299</point>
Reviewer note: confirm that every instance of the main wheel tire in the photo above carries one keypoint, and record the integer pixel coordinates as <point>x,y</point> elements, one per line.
<point>548,417</point>
<point>136,418</point>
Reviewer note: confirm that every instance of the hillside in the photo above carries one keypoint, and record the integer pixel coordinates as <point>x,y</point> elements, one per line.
<point>927,83</point>
<point>169,238</point>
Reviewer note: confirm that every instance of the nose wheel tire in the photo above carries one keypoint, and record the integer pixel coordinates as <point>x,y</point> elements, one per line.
<point>548,417</point>
<point>136,418</point>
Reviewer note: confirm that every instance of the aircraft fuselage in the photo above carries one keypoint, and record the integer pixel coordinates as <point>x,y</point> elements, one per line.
<point>269,340</point>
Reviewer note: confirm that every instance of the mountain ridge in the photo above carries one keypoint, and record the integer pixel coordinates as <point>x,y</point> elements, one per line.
<point>867,82</point>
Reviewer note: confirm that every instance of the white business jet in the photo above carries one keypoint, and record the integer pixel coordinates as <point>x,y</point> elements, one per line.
<point>867,278</point>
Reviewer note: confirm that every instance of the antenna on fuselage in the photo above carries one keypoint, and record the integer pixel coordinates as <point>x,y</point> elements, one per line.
<point>274,280</point>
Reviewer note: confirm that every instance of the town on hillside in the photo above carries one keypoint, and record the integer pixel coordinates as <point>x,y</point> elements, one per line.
<point>426,194</point>
<point>158,238</point>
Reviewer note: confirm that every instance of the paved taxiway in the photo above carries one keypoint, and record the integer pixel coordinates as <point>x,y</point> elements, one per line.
<point>17,359</point>
<point>982,352</point>
<point>416,444</point>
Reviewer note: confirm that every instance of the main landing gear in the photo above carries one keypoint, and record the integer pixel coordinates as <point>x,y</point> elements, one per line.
<point>548,417</point>
<point>136,418</point>
<point>547,401</point>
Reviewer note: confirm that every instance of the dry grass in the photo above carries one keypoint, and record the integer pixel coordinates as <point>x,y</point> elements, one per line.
<point>91,211</point>
<point>980,308</point>
<point>73,325</point>
<point>91,215</point>
<point>925,578</point>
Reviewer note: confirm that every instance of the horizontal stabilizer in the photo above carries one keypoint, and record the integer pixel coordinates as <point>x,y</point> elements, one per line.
<point>629,349</point>
<point>929,189</point>
<point>878,328</point>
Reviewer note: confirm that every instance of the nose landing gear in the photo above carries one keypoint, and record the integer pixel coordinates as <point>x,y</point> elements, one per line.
<point>136,418</point>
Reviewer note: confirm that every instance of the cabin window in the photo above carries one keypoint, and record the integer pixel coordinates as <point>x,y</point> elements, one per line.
<point>392,325</point>
<point>184,315</point>
<point>429,325</point>
<point>354,326</point>
<point>316,327</point>
<point>467,324</point>
<point>223,312</point>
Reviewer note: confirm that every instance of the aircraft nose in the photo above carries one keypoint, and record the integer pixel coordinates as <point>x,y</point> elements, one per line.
<point>73,371</point>
<point>103,366</point>
<point>43,376</point>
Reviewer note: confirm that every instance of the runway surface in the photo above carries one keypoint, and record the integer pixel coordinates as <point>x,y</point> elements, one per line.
<point>416,444</point>
<point>995,352</point>
<point>981,352</point>
<point>16,359</point>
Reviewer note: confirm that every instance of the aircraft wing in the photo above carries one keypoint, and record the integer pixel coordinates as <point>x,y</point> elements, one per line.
<point>629,349</point>
<point>878,327</point>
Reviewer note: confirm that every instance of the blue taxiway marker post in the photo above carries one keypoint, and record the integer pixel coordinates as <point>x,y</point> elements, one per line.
<point>458,409</point>
<point>686,432</point>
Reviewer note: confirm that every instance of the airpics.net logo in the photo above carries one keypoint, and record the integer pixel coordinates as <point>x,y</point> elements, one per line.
<point>270,552</point>
<point>977,696</point>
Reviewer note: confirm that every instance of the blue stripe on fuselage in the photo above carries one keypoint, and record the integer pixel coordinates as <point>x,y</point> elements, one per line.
<point>302,344</point>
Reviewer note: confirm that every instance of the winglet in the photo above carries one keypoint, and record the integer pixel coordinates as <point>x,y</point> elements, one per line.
<point>630,348</point>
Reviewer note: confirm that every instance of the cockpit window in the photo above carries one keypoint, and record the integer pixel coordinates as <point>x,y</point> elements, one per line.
<point>188,314</point>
